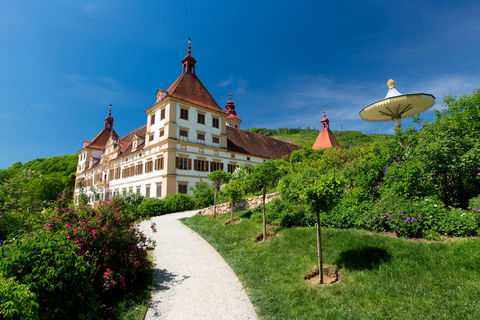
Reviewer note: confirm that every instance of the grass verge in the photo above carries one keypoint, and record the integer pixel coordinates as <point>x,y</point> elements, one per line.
<point>380,277</point>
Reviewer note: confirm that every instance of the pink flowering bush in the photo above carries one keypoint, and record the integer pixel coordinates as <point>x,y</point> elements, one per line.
<point>114,251</point>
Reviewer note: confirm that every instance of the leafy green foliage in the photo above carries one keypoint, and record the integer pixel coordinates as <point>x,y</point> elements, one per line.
<point>179,202</point>
<point>49,265</point>
<point>151,208</point>
<point>16,301</point>
<point>202,194</point>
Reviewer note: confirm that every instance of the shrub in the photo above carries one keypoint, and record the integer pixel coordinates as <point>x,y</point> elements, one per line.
<point>202,195</point>
<point>152,207</point>
<point>474,206</point>
<point>394,214</point>
<point>16,300</point>
<point>285,213</point>
<point>457,222</point>
<point>179,202</point>
<point>49,264</point>
<point>347,213</point>
<point>115,252</point>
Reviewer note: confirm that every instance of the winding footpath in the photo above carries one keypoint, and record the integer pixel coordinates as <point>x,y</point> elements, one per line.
<point>191,280</point>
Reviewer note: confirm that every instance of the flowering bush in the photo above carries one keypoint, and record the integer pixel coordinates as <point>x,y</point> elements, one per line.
<point>474,206</point>
<point>114,251</point>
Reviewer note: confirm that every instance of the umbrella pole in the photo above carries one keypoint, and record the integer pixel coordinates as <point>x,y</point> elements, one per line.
<point>397,123</point>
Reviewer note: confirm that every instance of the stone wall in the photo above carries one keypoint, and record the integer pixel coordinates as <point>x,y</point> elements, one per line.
<point>250,203</point>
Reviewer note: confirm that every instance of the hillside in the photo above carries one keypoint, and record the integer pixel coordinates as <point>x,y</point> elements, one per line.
<point>306,137</point>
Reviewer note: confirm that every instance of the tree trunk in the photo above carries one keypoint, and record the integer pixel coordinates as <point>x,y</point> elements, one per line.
<point>214,203</point>
<point>233,206</point>
<point>319,250</point>
<point>264,217</point>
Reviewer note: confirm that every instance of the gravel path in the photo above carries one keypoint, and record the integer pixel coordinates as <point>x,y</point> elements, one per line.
<point>191,280</point>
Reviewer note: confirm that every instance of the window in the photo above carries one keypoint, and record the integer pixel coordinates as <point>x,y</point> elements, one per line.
<point>159,190</point>
<point>159,164</point>
<point>201,118</point>
<point>233,156</point>
<point>162,114</point>
<point>183,114</point>
<point>182,187</point>
<point>151,137</point>
<point>147,191</point>
<point>152,119</point>
<point>162,132</point>
<point>183,135</point>
<point>232,167</point>
<point>184,163</point>
<point>200,165</point>
<point>215,165</point>
<point>139,169</point>
<point>138,189</point>
<point>110,174</point>
<point>201,137</point>
<point>148,166</point>
<point>248,158</point>
<point>215,140</point>
<point>130,190</point>
<point>215,122</point>
<point>117,173</point>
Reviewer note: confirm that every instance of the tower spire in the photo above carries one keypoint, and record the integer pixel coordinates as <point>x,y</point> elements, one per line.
<point>109,119</point>
<point>232,119</point>
<point>189,61</point>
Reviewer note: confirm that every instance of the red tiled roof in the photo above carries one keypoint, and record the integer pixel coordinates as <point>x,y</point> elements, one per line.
<point>325,139</point>
<point>255,144</point>
<point>126,142</point>
<point>190,89</point>
<point>101,139</point>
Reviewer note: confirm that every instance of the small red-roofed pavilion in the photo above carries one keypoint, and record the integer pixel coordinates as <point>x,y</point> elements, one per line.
<point>325,138</point>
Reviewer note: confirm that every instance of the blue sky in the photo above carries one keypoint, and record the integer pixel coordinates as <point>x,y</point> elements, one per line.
<point>63,62</point>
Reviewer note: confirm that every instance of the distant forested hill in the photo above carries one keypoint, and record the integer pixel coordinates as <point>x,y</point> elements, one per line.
<point>48,177</point>
<point>306,137</point>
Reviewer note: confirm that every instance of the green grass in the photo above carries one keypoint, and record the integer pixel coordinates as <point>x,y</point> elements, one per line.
<point>347,139</point>
<point>381,277</point>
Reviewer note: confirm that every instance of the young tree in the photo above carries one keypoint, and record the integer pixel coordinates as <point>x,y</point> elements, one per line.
<point>234,191</point>
<point>266,175</point>
<point>321,196</point>
<point>218,177</point>
<point>236,186</point>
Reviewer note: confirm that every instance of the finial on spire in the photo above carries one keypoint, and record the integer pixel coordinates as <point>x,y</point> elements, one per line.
<point>189,51</point>
<point>230,95</point>
<point>110,110</point>
<point>391,83</point>
<point>324,111</point>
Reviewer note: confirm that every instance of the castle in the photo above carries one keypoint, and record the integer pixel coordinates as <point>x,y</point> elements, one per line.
<point>186,136</point>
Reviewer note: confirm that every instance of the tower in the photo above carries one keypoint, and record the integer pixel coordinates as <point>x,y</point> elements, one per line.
<point>232,119</point>
<point>325,138</point>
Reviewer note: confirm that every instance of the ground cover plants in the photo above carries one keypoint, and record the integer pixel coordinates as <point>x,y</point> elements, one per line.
<point>380,277</point>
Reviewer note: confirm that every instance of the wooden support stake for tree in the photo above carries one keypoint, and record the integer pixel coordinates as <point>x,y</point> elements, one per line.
<point>264,191</point>
<point>319,250</point>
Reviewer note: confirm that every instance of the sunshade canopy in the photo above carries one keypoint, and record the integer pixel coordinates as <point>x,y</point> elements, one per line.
<point>396,106</point>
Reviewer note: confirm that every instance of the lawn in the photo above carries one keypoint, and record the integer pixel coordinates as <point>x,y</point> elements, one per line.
<point>380,277</point>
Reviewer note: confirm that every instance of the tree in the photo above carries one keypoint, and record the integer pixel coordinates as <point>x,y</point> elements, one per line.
<point>322,196</point>
<point>218,177</point>
<point>235,188</point>
<point>234,191</point>
<point>266,175</point>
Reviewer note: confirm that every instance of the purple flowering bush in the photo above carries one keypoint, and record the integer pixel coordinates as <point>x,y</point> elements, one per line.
<point>414,217</point>
<point>395,214</point>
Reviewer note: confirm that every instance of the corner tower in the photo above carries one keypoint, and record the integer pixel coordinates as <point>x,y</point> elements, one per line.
<point>232,119</point>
